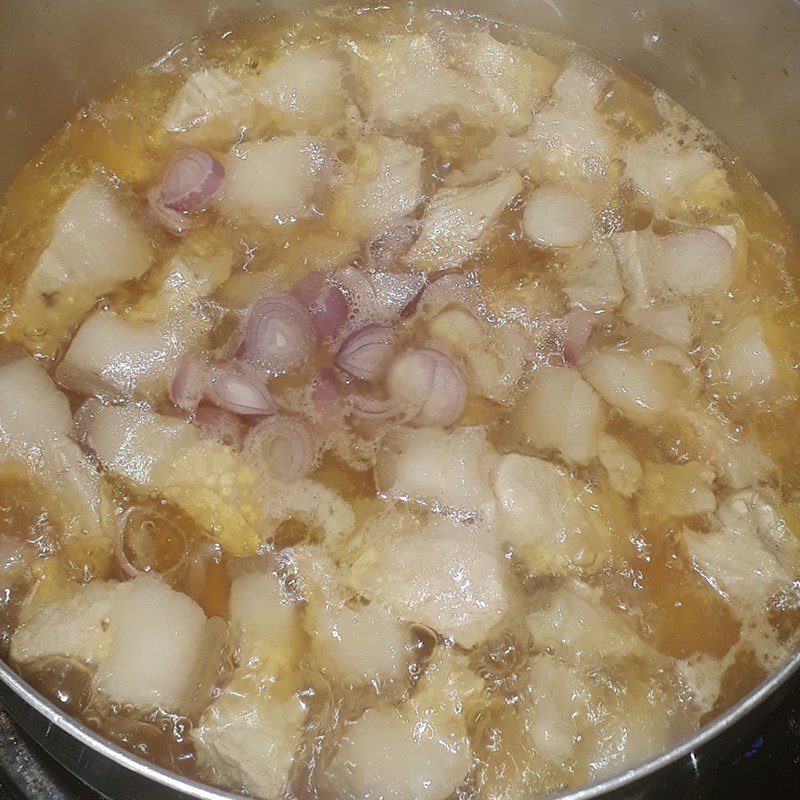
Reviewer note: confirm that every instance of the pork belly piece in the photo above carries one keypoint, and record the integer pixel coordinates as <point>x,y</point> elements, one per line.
<point>683,265</point>
<point>562,412</point>
<point>415,78</point>
<point>749,554</point>
<point>145,641</point>
<point>671,176</point>
<point>97,244</point>
<point>384,186</point>
<point>249,735</point>
<point>36,428</point>
<point>744,363</point>
<point>275,181</point>
<point>303,90</point>
<point>135,355</point>
<point>544,515</point>
<point>212,106</point>
<point>446,575</point>
<point>494,355</point>
<point>447,470</point>
<point>382,754</point>
<point>639,388</point>
<point>457,221</point>
<point>351,642</point>
<point>577,626</point>
<point>591,278</point>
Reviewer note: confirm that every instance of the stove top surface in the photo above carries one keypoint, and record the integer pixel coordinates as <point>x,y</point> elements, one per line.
<point>765,766</point>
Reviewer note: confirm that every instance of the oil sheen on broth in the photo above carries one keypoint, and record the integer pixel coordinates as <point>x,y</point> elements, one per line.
<point>395,404</point>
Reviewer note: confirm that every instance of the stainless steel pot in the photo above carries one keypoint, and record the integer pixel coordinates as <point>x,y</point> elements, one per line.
<point>735,64</point>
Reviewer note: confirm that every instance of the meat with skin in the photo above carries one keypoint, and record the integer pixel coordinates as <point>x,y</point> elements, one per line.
<point>144,640</point>
<point>36,429</point>
<point>351,642</point>
<point>545,516</point>
<point>562,412</point>
<point>446,470</point>
<point>448,576</point>
<point>97,244</point>
<point>275,181</point>
<point>457,220</point>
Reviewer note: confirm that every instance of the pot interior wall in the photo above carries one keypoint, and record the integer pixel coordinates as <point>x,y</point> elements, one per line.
<point>734,65</point>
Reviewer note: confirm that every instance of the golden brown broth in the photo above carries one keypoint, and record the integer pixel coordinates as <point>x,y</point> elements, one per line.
<point>678,613</point>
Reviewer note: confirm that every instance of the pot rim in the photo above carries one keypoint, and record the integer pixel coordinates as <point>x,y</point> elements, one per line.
<point>195,789</point>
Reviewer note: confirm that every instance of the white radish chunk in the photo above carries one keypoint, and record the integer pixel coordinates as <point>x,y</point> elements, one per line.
<point>555,216</point>
<point>543,514</point>
<point>97,244</point>
<point>354,643</point>
<point>212,105</point>
<point>744,360</point>
<point>382,756</point>
<point>274,181</point>
<point>446,470</point>
<point>303,89</point>
<point>448,576</point>
<point>36,428</point>
<point>562,412</point>
<point>156,646</point>
<point>672,322</point>
<point>638,388</point>
<point>691,263</point>
<point>457,220</point>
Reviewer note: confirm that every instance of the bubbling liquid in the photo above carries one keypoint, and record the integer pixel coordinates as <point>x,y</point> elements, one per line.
<point>597,555</point>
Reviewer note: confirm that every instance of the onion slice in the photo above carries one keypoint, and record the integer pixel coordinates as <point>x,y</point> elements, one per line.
<point>328,400</point>
<point>188,384</point>
<point>283,447</point>
<point>230,388</point>
<point>278,335</point>
<point>375,409</point>
<point>326,304</point>
<point>190,180</point>
<point>429,384</point>
<point>367,353</point>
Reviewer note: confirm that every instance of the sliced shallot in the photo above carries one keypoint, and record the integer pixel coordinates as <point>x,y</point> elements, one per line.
<point>230,388</point>
<point>279,335</point>
<point>283,447</point>
<point>328,399</point>
<point>429,384</point>
<point>326,304</point>
<point>579,325</point>
<point>375,409</point>
<point>557,217</point>
<point>189,383</point>
<point>367,353</point>
<point>190,180</point>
